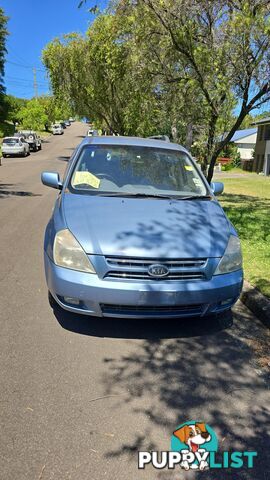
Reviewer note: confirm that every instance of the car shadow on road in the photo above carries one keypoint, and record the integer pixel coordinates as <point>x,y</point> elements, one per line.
<point>142,328</point>
<point>6,192</point>
<point>63,158</point>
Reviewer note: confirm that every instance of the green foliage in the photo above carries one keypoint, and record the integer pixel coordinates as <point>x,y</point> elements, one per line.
<point>6,129</point>
<point>246,201</point>
<point>33,116</point>
<point>227,167</point>
<point>237,160</point>
<point>14,106</point>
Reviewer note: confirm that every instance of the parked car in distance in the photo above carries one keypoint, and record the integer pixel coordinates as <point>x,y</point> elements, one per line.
<point>57,129</point>
<point>63,125</point>
<point>138,233</point>
<point>15,146</point>
<point>33,140</point>
<point>71,119</point>
<point>92,133</point>
<point>67,123</point>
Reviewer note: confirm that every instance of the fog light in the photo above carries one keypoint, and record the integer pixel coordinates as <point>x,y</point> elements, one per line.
<point>226,302</point>
<point>72,301</point>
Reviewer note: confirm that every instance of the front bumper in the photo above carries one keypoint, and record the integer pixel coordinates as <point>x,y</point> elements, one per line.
<point>141,299</point>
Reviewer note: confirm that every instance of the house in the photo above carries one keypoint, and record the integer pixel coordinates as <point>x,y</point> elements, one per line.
<point>245,141</point>
<point>262,149</point>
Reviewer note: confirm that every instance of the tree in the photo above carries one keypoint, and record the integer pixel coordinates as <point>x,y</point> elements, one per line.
<point>223,47</point>
<point>100,77</point>
<point>54,109</point>
<point>14,106</point>
<point>33,115</point>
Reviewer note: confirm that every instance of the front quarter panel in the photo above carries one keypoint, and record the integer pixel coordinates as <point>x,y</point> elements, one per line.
<point>56,223</point>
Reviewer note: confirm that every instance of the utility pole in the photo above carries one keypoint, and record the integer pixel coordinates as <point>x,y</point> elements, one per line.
<point>35,82</point>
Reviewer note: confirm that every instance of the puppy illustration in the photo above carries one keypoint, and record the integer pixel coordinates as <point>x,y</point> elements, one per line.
<point>194,436</point>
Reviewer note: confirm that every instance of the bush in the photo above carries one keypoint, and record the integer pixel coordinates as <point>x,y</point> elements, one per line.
<point>237,160</point>
<point>227,167</point>
<point>6,129</point>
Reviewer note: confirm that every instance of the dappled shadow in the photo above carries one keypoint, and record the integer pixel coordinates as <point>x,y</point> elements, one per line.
<point>142,328</point>
<point>250,214</point>
<point>214,378</point>
<point>6,192</point>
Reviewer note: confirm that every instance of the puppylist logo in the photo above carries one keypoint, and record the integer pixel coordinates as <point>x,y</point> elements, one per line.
<point>194,446</point>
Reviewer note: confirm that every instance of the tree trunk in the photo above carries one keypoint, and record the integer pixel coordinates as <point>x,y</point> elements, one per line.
<point>189,136</point>
<point>212,166</point>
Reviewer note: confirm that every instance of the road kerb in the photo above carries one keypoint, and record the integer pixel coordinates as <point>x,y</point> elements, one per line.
<point>258,303</point>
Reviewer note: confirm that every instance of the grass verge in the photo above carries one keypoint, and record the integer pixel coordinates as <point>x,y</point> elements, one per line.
<point>246,201</point>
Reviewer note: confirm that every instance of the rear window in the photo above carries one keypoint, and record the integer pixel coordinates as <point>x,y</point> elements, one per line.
<point>11,141</point>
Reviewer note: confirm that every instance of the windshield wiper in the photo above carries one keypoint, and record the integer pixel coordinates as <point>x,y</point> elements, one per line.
<point>153,195</point>
<point>196,197</point>
<point>134,195</point>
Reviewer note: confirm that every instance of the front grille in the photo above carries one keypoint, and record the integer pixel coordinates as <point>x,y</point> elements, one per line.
<point>135,262</point>
<point>146,276</point>
<point>137,269</point>
<point>146,311</point>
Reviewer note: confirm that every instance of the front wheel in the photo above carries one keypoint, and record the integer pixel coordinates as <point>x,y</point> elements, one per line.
<point>40,147</point>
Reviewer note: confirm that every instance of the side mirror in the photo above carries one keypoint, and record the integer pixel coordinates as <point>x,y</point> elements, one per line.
<point>217,188</point>
<point>51,179</point>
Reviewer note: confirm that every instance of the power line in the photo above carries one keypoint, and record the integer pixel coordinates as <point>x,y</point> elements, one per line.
<point>25,66</point>
<point>10,78</point>
<point>14,54</point>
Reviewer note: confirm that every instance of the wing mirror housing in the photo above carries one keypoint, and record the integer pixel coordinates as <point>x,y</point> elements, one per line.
<point>217,188</point>
<point>51,179</point>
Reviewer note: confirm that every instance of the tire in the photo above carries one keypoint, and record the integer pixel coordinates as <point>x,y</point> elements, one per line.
<point>3,155</point>
<point>40,147</point>
<point>25,153</point>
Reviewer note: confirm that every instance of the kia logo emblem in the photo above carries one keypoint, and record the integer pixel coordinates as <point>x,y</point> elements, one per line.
<point>158,271</point>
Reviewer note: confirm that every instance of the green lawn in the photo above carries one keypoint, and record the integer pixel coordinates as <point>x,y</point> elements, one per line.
<point>246,201</point>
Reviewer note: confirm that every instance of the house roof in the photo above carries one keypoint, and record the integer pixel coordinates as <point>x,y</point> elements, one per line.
<point>262,121</point>
<point>239,134</point>
<point>243,133</point>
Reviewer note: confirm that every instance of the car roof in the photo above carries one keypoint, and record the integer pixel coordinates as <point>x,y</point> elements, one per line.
<point>131,141</point>
<point>9,138</point>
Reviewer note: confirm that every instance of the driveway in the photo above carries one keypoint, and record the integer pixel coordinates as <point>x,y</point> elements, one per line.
<point>80,396</point>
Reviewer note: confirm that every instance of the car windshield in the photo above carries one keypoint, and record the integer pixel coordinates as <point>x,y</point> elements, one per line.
<point>136,170</point>
<point>11,141</point>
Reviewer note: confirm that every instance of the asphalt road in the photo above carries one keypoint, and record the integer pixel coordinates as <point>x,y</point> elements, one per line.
<point>80,396</point>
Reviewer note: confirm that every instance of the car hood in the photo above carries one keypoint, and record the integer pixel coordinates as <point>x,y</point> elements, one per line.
<point>147,228</point>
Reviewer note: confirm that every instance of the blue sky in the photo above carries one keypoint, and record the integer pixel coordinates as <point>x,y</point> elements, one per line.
<point>32,24</point>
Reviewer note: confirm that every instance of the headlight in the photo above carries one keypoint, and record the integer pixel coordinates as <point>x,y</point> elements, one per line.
<point>232,258</point>
<point>68,253</point>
